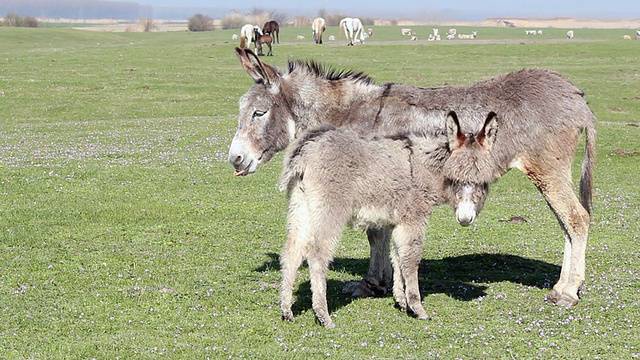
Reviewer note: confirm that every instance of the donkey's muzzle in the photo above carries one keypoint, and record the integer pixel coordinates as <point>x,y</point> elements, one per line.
<point>466,213</point>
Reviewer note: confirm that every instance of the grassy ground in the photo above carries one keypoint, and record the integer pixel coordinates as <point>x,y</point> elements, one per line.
<point>123,233</point>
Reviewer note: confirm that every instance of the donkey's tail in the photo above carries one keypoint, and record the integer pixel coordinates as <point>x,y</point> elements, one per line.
<point>243,42</point>
<point>292,172</point>
<point>588,165</point>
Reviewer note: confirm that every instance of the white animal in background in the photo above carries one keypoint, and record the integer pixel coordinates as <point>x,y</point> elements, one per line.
<point>332,37</point>
<point>406,32</point>
<point>414,37</point>
<point>452,31</point>
<point>637,34</point>
<point>539,32</point>
<point>317,29</point>
<point>530,32</point>
<point>234,37</point>
<point>473,35</point>
<point>626,37</point>
<point>300,37</point>
<point>570,34</point>
<point>353,30</point>
<point>247,35</point>
<point>431,38</point>
<point>436,32</point>
<point>451,36</point>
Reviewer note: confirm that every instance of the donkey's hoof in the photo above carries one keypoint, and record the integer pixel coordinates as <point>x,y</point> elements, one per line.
<point>552,297</point>
<point>288,316</point>
<point>363,288</point>
<point>567,300</point>
<point>329,324</point>
<point>424,317</point>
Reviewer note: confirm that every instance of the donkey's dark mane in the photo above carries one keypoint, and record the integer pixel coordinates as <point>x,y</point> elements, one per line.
<point>327,72</point>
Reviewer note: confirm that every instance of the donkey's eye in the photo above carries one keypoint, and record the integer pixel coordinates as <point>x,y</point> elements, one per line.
<point>258,113</point>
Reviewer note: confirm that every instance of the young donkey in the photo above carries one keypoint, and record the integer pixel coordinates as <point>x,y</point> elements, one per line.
<point>334,177</point>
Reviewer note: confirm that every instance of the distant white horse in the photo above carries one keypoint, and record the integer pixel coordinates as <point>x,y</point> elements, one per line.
<point>318,27</point>
<point>247,35</point>
<point>353,30</point>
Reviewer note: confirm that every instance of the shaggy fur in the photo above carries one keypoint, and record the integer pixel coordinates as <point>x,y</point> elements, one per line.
<point>542,116</point>
<point>334,177</point>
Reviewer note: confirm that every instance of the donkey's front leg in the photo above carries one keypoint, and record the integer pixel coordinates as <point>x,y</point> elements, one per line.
<point>407,256</point>
<point>379,276</point>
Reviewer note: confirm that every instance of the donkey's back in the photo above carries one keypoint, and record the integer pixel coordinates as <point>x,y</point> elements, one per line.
<point>358,172</point>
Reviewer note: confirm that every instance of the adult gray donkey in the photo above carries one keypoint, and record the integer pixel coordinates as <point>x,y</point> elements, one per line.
<point>542,118</point>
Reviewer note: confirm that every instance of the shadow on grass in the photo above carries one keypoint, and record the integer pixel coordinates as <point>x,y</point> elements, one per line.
<point>460,277</point>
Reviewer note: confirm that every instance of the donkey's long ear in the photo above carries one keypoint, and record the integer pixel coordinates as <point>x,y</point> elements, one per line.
<point>487,136</point>
<point>259,71</point>
<point>455,137</point>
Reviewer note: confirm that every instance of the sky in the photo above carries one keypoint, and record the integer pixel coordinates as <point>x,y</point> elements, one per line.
<point>416,9</point>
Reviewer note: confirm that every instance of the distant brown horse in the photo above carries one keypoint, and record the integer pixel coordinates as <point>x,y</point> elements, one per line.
<point>263,39</point>
<point>272,28</point>
<point>543,117</point>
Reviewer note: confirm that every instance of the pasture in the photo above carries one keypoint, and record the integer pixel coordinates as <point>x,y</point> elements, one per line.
<point>124,234</point>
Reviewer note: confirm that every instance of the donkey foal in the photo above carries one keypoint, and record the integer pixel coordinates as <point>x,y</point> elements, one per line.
<point>335,177</point>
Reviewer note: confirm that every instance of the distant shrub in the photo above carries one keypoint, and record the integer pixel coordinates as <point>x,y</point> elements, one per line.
<point>199,22</point>
<point>30,21</point>
<point>334,20</point>
<point>15,20</point>
<point>300,21</point>
<point>233,21</point>
<point>148,25</point>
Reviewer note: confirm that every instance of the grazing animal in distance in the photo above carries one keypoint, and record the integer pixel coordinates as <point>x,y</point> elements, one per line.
<point>261,40</point>
<point>248,35</point>
<point>317,28</point>
<point>473,35</point>
<point>353,30</point>
<point>335,177</point>
<point>570,34</point>
<point>272,28</point>
<point>542,118</point>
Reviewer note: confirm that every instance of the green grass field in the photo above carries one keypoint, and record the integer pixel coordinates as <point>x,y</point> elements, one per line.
<point>123,233</point>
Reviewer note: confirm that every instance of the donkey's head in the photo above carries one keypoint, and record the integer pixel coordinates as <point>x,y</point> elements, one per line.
<point>265,122</point>
<point>467,171</point>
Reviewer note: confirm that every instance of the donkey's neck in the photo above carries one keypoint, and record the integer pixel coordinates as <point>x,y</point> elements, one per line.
<point>337,102</point>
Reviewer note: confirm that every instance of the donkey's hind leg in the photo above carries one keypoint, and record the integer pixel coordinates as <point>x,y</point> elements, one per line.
<point>574,220</point>
<point>290,261</point>
<point>319,259</point>
<point>406,256</point>
<point>294,251</point>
